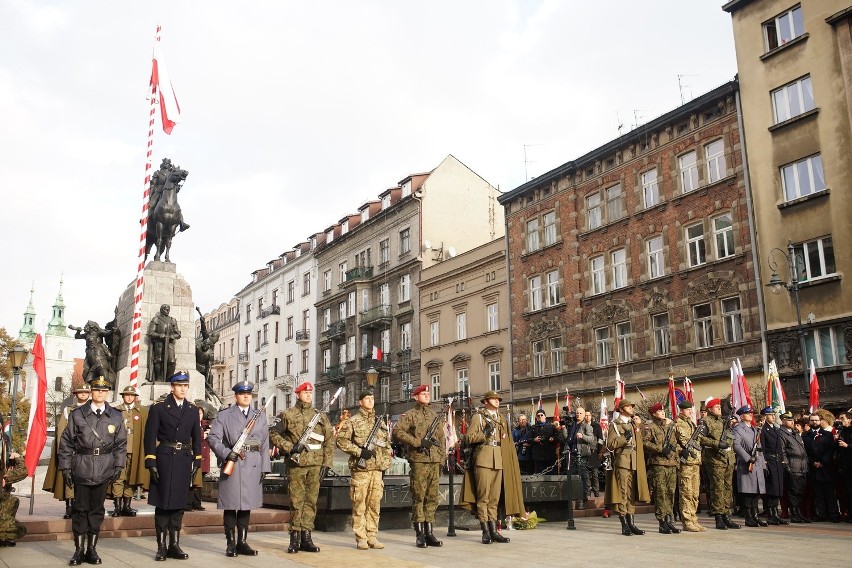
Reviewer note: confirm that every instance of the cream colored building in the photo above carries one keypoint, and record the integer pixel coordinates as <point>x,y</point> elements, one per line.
<point>795,71</point>
<point>464,325</point>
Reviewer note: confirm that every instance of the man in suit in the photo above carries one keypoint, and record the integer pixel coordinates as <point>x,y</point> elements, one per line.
<point>242,490</point>
<point>172,455</point>
<point>820,447</point>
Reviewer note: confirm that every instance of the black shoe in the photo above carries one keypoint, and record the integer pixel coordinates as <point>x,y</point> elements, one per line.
<point>67,514</point>
<point>670,523</point>
<point>174,546</point>
<point>495,535</point>
<point>79,550</point>
<point>161,546</point>
<point>421,538</point>
<point>486,534</point>
<point>307,544</point>
<point>720,523</point>
<point>633,528</point>
<point>429,537</point>
<point>295,542</point>
<point>625,528</point>
<point>116,511</point>
<point>91,549</point>
<point>230,545</point>
<point>242,546</point>
<point>664,527</point>
<point>729,523</point>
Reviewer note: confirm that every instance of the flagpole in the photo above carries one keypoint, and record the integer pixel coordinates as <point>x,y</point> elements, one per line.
<point>143,237</point>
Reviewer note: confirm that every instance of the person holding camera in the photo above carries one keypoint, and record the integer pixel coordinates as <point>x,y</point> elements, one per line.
<point>544,443</point>
<point>522,436</point>
<point>578,437</point>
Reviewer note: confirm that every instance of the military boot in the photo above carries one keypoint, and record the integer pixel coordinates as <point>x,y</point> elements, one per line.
<point>495,535</point>
<point>307,544</point>
<point>91,549</point>
<point>796,515</point>
<point>633,528</point>
<point>230,545</point>
<point>664,527</point>
<point>116,511</point>
<point>486,534</point>
<point>126,510</point>
<point>729,523</point>
<point>625,528</point>
<point>429,537</point>
<point>760,522</point>
<point>242,544</point>
<point>421,538</point>
<point>161,546</point>
<point>750,521</point>
<point>79,550</point>
<point>67,514</point>
<point>174,546</point>
<point>720,523</point>
<point>295,542</point>
<point>775,518</point>
<point>670,523</point>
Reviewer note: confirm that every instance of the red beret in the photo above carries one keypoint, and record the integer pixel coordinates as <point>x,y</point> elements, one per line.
<point>418,390</point>
<point>655,407</point>
<point>304,387</point>
<point>712,402</point>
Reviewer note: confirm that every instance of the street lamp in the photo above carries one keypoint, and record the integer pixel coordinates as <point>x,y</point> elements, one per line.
<point>372,375</point>
<point>17,358</point>
<point>776,286</point>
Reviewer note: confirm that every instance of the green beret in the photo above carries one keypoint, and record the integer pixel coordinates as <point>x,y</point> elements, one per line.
<point>365,393</point>
<point>685,404</point>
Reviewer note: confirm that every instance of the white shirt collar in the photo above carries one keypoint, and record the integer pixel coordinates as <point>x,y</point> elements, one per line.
<point>95,407</point>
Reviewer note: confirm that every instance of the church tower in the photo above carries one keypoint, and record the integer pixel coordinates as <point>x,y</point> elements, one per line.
<point>27,333</point>
<point>58,349</point>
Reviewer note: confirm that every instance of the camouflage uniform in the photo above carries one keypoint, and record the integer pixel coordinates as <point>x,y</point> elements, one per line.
<point>10,528</point>
<point>304,476</point>
<point>690,475</point>
<point>366,487</point>
<point>721,464</point>
<point>663,466</point>
<point>425,465</point>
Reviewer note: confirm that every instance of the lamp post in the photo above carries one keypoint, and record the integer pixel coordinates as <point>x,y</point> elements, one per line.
<point>776,285</point>
<point>17,358</point>
<point>372,375</point>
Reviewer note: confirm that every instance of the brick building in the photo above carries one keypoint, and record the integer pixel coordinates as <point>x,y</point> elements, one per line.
<point>637,253</point>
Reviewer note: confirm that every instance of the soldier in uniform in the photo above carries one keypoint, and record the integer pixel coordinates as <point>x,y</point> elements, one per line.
<point>53,481</point>
<point>308,464</point>
<point>659,442</point>
<point>626,482</point>
<point>773,453</point>
<point>366,466</point>
<point>15,470</point>
<point>750,465</point>
<point>720,461</point>
<point>496,475</point>
<point>425,456</point>
<point>134,475</point>
<point>690,471</point>
<point>796,468</point>
<point>242,490</point>
<point>172,455</point>
<point>91,457</point>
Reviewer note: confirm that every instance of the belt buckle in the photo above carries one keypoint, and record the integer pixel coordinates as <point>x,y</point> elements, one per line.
<point>178,445</point>
<point>96,451</point>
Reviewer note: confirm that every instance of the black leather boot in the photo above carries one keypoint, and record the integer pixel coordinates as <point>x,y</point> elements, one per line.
<point>760,522</point>
<point>429,537</point>
<point>421,538</point>
<point>126,510</point>
<point>750,521</point>
<point>116,510</point>
<point>720,523</point>
<point>308,544</point>
<point>79,550</point>
<point>729,523</point>
<point>295,542</point>
<point>230,544</point>
<point>625,528</point>
<point>486,534</point>
<point>670,523</point>
<point>495,535</point>
<point>242,546</point>
<point>664,527</point>
<point>796,515</point>
<point>161,546</point>
<point>174,546</point>
<point>91,549</point>
<point>67,514</point>
<point>775,518</point>
<point>633,528</point>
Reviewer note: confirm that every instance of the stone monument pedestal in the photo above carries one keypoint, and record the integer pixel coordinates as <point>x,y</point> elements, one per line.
<point>163,285</point>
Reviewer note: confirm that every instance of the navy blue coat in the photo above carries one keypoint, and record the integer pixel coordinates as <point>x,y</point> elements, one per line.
<point>166,423</point>
<point>774,453</point>
<point>820,447</point>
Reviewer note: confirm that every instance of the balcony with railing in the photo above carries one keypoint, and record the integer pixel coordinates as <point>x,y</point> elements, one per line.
<point>244,358</point>
<point>303,335</point>
<point>356,274</point>
<point>271,310</point>
<point>335,329</point>
<point>379,316</point>
<point>218,363</point>
<point>335,373</point>
<point>367,362</point>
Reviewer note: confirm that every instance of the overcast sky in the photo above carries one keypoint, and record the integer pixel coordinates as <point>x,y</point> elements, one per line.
<point>296,113</point>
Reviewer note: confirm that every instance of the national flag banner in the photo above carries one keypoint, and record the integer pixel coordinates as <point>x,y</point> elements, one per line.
<point>740,395</point>
<point>744,383</point>
<point>604,419</point>
<point>377,353</point>
<point>567,400</point>
<point>163,90</point>
<point>671,398</point>
<point>689,393</point>
<point>37,427</point>
<point>540,407</point>
<point>450,428</point>
<point>813,388</point>
<point>775,396</point>
<point>619,393</point>
<point>556,412</point>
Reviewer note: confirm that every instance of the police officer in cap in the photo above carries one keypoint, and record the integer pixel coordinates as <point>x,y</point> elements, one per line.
<point>92,453</point>
<point>172,455</point>
<point>242,490</point>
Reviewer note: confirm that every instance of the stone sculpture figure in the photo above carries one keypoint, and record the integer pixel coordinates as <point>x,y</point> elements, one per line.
<point>204,345</point>
<point>165,217</point>
<point>162,333</point>
<point>98,361</point>
<point>113,340</point>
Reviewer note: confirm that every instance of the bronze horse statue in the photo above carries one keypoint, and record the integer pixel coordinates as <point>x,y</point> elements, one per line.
<point>164,215</point>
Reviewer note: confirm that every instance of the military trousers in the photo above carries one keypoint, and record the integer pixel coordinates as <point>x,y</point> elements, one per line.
<point>366,489</point>
<point>626,481</point>
<point>304,490</point>
<point>721,487</point>
<point>424,479</point>
<point>795,484</point>
<point>663,484</point>
<point>11,529</point>
<point>121,487</point>
<point>489,485</point>
<point>87,509</point>
<point>689,482</point>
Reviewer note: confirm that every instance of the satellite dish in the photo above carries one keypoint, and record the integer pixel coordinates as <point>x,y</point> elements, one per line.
<point>451,251</point>
<point>427,245</point>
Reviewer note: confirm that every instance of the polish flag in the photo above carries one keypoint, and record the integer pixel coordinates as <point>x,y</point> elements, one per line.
<point>619,393</point>
<point>813,387</point>
<point>377,353</point>
<point>604,419</point>
<point>37,428</point>
<point>163,90</point>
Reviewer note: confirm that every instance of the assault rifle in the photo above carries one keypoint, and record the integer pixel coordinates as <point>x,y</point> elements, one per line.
<point>228,468</point>
<point>430,433</point>
<point>668,447</point>
<point>296,454</point>
<point>370,444</point>
<point>692,443</point>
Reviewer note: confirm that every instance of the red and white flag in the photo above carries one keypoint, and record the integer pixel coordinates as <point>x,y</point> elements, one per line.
<point>604,418</point>
<point>568,400</point>
<point>377,353</point>
<point>450,429</point>
<point>163,90</point>
<point>740,395</point>
<point>813,388</point>
<point>37,427</point>
<point>619,393</point>
<point>671,397</point>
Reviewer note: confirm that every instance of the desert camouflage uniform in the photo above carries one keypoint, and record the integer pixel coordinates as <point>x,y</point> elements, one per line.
<point>690,475</point>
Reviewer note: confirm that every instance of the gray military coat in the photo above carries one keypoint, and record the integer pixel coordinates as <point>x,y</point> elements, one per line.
<point>242,490</point>
<point>748,481</point>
